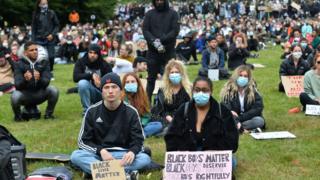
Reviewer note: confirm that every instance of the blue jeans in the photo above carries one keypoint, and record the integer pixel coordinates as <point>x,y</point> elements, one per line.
<point>152,128</point>
<point>89,94</point>
<point>83,160</point>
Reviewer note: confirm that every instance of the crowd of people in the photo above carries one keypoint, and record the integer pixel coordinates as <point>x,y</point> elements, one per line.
<point>110,60</point>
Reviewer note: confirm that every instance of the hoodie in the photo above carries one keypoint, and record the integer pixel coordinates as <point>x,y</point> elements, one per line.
<point>161,23</point>
<point>25,64</point>
<point>84,69</point>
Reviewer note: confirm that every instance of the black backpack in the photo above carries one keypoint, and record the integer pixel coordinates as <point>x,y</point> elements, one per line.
<point>15,168</point>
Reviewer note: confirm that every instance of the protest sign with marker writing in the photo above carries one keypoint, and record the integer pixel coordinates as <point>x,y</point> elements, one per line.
<point>107,170</point>
<point>198,165</point>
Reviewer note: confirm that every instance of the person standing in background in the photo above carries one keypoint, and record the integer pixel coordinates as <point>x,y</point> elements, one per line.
<point>45,26</point>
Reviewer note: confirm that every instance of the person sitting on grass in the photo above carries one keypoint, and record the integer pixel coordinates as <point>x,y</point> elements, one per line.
<point>205,125</point>
<point>311,85</point>
<point>293,65</point>
<point>240,95</point>
<point>135,95</point>
<point>175,90</point>
<point>6,74</point>
<point>87,73</point>
<point>111,129</point>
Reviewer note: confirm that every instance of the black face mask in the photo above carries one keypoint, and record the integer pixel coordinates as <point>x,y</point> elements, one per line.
<point>160,6</point>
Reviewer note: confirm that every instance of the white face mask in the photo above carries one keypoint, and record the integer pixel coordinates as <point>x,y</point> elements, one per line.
<point>6,45</point>
<point>297,55</point>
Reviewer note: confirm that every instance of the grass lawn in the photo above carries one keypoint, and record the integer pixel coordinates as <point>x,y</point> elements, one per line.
<point>277,159</point>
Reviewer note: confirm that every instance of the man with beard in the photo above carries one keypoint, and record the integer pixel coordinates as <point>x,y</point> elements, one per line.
<point>87,73</point>
<point>160,29</point>
<point>32,78</point>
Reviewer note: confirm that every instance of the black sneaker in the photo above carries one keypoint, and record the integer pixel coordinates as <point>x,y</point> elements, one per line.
<point>49,116</point>
<point>134,175</point>
<point>18,118</point>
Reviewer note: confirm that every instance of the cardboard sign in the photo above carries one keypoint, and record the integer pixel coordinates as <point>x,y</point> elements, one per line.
<point>156,87</point>
<point>273,135</point>
<point>293,85</point>
<point>198,165</point>
<point>107,170</point>
<point>256,65</point>
<point>296,6</point>
<point>213,74</point>
<point>313,110</point>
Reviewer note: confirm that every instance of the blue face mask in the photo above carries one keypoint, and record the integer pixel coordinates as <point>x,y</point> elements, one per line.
<point>201,98</point>
<point>242,81</point>
<point>175,78</point>
<point>304,45</point>
<point>131,87</point>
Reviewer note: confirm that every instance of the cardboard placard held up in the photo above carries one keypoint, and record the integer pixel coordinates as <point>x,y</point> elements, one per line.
<point>296,6</point>
<point>313,110</point>
<point>108,170</point>
<point>293,85</point>
<point>198,165</point>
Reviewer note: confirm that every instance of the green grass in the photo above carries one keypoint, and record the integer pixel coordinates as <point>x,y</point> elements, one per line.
<point>278,159</point>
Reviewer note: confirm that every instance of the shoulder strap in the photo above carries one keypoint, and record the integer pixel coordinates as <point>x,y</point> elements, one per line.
<point>185,114</point>
<point>220,110</point>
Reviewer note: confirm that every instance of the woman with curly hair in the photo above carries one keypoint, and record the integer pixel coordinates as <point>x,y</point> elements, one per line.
<point>175,90</point>
<point>134,94</point>
<point>240,95</point>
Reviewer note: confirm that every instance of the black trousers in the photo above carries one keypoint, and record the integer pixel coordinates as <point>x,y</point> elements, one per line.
<point>156,65</point>
<point>30,99</point>
<point>305,99</point>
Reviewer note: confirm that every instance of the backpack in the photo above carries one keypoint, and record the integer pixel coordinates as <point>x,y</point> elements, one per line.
<point>55,173</point>
<point>15,169</point>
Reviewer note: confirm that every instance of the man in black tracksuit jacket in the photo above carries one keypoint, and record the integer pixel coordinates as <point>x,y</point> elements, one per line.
<point>160,29</point>
<point>110,130</point>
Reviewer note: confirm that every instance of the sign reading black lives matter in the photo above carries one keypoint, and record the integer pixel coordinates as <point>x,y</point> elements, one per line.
<point>107,170</point>
<point>198,165</point>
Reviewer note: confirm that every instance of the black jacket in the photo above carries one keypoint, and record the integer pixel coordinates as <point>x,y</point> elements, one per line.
<point>42,27</point>
<point>161,24</point>
<point>161,108</point>
<point>186,50</point>
<point>122,132</point>
<point>287,67</point>
<point>24,65</point>
<point>5,171</point>
<point>250,110</point>
<point>218,131</point>
<point>237,56</point>
<point>83,69</point>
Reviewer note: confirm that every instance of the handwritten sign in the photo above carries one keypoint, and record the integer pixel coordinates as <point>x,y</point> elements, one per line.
<point>198,165</point>
<point>213,74</point>
<point>313,110</point>
<point>107,170</point>
<point>293,85</point>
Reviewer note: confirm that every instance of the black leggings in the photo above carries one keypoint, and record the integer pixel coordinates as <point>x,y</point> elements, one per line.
<point>305,99</point>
